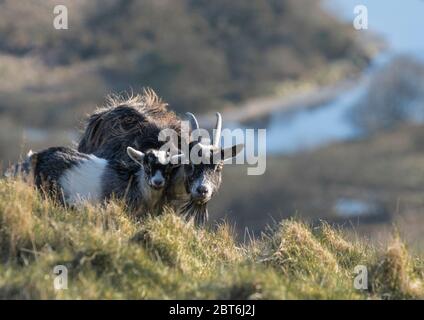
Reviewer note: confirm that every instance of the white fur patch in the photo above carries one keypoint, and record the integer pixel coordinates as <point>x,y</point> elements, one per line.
<point>162,156</point>
<point>84,181</point>
<point>150,196</point>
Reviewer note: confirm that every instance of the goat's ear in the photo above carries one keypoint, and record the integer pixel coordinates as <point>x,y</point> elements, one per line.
<point>231,152</point>
<point>136,155</point>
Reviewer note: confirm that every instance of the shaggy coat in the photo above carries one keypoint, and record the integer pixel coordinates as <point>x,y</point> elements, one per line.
<point>137,122</point>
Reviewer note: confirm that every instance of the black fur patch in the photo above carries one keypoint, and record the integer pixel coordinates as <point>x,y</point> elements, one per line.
<point>50,165</point>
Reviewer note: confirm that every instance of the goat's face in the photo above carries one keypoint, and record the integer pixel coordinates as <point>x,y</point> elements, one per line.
<point>156,165</point>
<point>204,179</point>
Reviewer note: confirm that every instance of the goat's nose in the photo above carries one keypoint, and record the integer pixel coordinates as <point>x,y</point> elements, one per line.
<point>203,190</point>
<point>158,183</point>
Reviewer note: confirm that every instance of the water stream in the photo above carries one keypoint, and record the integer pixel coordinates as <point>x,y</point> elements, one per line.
<point>401,24</point>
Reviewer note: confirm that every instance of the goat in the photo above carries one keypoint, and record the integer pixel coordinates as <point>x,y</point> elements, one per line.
<point>73,177</point>
<point>203,180</point>
<point>138,122</point>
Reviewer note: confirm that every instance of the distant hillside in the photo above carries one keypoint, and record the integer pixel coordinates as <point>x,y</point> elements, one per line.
<point>109,255</point>
<point>395,96</point>
<point>196,54</point>
<point>382,172</point>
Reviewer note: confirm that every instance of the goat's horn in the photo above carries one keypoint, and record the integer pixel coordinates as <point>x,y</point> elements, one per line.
<point>193,121</point>
<point>218,129</point>
<point>177,157</point>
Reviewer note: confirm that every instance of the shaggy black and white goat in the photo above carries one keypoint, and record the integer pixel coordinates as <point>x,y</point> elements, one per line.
<point>73,177</point>
<point>137,122</point>
<point>201,179</point>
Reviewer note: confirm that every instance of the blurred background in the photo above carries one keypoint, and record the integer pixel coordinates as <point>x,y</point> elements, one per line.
<point>343,108</point>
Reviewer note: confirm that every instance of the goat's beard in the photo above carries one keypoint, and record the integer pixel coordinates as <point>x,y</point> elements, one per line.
<point>198,212</point>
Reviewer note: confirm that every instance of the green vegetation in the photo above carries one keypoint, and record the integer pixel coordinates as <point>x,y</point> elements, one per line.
<point>110,255</point>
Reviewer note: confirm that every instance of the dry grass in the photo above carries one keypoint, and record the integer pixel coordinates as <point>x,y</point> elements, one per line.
<point>110,255</point>
<point>396,275</point>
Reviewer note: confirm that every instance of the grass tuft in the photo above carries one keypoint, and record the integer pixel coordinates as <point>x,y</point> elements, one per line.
<point>295,250</point>
<point>111,255</point>
<point>396,275</point>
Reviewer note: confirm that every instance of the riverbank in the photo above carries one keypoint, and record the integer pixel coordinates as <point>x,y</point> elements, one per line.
<point>320,87</point>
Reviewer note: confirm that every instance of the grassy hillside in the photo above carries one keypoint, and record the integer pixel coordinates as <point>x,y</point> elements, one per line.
<point>109,255</point>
